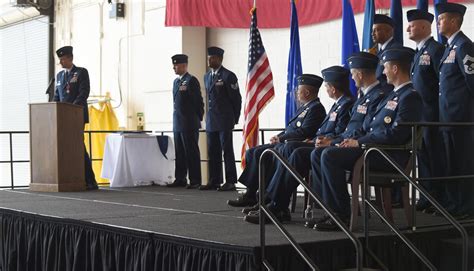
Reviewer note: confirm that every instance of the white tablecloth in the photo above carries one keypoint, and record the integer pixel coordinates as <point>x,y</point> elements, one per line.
<point>136,159</point>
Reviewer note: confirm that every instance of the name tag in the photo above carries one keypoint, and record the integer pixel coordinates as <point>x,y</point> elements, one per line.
<point>391,105</point>
<point>219,83</point>
<point>333,116</point>
<point>362,109</point>
<point>183,88</point>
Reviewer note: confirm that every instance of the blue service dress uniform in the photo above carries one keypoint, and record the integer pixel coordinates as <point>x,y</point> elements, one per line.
<point>187,116</point>
<point>379,71</point>
<point>224,105</point>
<point>304,125</point>
<point>424,75</point>
<point>333,125</point>
<point>456,104</point>
<point>403,105</point>
<point>283,183</point>
<point>73,87</point>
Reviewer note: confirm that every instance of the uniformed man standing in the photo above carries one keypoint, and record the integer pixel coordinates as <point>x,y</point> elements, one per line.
<point>456,104</point>
<point>187,117</point>
<point>224,104</point>
<point>73,86</point>
<point>382,35</point>
<point>424,75</point>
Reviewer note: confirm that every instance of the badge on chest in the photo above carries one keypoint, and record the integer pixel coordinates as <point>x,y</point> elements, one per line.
<point>362,109</point>
<point>183,86</point>
<point>451,57</point>
<point>425,59</point>
<point>391,105</point>
<point>333,116</point>
<point>219,83</point>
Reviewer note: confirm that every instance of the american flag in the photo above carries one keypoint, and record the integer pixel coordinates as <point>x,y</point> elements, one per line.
<point>259,86</point>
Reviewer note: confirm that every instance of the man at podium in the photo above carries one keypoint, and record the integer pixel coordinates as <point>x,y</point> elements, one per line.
<point>73,86</point>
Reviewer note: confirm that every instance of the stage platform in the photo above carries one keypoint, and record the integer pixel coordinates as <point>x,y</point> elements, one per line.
<point>159,228</point>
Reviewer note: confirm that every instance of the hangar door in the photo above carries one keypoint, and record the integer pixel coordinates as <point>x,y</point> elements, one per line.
<point>23,79</point>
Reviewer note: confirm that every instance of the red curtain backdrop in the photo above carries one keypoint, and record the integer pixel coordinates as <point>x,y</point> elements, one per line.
<point>271,13</point>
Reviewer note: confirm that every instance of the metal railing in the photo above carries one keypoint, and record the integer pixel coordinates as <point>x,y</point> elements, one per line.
<point>416,128</point>
<point>264,211</point>
<point>88,134</point>
<point>415,187</point>
<point>11,161</point>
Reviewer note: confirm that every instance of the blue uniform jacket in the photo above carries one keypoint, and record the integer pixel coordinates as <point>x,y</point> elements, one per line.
<point>379,71</point>
<point>73,89</point>
<point>362,112</point>
<point>424,75</point>
<point>456,78</point>
<point>224,100</point>
<point>337,118</point>
<point>405,105</point>
<point>188,105</point>
<point>306,122</point>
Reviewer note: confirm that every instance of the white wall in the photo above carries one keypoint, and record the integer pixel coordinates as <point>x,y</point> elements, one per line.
<point>133,55</point>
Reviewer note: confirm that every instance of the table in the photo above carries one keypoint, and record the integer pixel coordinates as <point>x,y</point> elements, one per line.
<point>136,159</point>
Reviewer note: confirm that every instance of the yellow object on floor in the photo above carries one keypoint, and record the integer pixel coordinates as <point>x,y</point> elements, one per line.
<point>102,119</point>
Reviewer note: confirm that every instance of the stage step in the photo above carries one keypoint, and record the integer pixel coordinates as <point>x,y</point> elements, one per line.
<point>452,249</point>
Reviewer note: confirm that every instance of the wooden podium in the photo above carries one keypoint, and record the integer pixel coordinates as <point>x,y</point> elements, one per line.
<point>57,147</point>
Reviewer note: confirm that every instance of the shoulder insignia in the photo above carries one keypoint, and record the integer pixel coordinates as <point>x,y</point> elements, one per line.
<point>468,63</point>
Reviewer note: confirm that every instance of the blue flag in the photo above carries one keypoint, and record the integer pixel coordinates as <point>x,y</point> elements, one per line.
<point>294,66</point>
<point>397,16</point>
<point>369,13</point>
<point>441,39</point>
<point>422,5</point>
<point>350,41</point>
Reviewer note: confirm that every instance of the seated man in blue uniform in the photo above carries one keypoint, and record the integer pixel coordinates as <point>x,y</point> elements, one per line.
<point>371,92</point>
<point>187,116</point>
<point>403,104</point>
<point>224,104</point>
<point>304,125</point>
<point>73,86</point>
<point>456,104</point>
<point>424,74</point>
<point>336,80</point>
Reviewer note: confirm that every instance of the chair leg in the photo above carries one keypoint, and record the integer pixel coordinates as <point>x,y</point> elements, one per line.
<point>355,184</point>
<point>387,203</point>
<point>406,205</point>
<point>293,201</point>
<point>355,212</point>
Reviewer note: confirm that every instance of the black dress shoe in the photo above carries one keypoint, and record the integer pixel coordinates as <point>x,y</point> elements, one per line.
<point>281,215</point>
<point>227,187</point>
<point>249,209</point>
<point>193,186</point>
<point>208,187</point>
<point>90,187</point>
<point>429,210</point>
<point>176,183</point>
<point>422,206</point>
<point>329,225</point>
<point>312,222</point>
<point>242,201</point>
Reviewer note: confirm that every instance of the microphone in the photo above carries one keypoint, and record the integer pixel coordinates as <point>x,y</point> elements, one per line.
<point>50,90</point>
